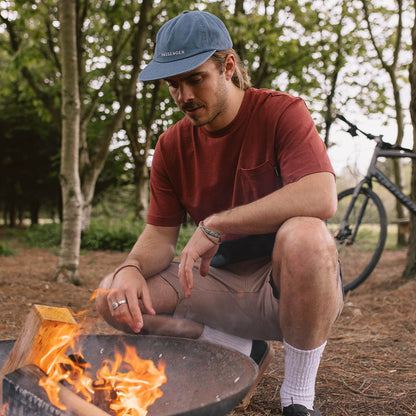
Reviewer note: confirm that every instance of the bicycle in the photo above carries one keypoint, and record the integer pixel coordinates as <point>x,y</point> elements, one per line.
<point>360,224</point>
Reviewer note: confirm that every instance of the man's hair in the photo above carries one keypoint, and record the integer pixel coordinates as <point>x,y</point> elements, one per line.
<point>240,77</point>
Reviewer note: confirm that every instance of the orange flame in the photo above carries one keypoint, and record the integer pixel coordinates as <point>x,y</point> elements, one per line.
<point>5,409</point>
<point>136,387</point>
<point>128,384</point>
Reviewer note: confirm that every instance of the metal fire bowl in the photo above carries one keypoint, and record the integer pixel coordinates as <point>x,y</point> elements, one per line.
<point>203,379</point>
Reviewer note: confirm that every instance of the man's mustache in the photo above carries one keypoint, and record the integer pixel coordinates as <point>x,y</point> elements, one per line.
<point>190,106</point>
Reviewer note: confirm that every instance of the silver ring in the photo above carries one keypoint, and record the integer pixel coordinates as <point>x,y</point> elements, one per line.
<point>115,305</point>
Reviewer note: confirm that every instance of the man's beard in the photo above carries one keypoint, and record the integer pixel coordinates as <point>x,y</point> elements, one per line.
<point>198,121</point>
<point>217,109</point>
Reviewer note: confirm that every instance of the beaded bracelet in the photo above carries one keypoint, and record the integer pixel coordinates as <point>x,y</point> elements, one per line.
<point>209,233</point>
<point>123,266</point>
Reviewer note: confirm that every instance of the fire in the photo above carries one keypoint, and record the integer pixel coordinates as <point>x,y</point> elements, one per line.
<point>126,384</point>
<point>136,386</point>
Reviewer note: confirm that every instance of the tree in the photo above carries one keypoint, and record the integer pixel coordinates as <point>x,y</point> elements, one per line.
<point>140,147</point>
<point>304,48</point>
<point>102,37</point>
<point>28,158</point>
<point>392,42</point>
<point>410,270</point>
<point>69,174</point>
<point>104,32</point>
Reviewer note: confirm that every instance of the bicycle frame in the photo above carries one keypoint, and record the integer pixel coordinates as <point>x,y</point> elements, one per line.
<point>373,172</point>
<point>355,201</point>
<point>381,150</point>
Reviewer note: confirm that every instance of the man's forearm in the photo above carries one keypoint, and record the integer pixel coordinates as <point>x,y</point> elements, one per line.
<point>154,249</point>
<point>313,195</point>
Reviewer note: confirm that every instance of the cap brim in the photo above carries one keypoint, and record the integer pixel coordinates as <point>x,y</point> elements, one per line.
<point>160,70</point>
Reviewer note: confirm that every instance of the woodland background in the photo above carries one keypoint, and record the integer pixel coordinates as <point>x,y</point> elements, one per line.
<point>77,129</point>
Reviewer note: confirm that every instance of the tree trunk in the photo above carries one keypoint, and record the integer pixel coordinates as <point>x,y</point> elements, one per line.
<point>140,151</point>
<point>239,45</point>
<point>338,63</point>
<point>69,173</point>
<point>34,211</point>
<point>410,271</point>
<point>397,165</point>
<point>141,195</point>
<point>99,150</point>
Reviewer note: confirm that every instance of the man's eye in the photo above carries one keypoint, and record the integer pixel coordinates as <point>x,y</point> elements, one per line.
<point>172,85</point>
<point>195,81</point>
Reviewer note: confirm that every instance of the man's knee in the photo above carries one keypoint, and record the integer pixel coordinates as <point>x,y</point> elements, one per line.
<point>164,297</point>
<point>304,255</point>
<point>304,239</point>
<point>305,264</point>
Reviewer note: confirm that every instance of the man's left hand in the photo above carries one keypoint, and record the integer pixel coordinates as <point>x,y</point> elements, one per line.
<point>198,247</point>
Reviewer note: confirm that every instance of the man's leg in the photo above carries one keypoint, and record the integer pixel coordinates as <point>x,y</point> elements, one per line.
<point>305,274</point>
<point>165,300</point>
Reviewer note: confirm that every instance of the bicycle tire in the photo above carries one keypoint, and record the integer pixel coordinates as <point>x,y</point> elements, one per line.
<point>363,251</point>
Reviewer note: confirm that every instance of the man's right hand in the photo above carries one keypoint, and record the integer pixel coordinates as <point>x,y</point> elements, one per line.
<point>130,287</point>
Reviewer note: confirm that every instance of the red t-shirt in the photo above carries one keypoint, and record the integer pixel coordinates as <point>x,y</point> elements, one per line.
<point>271,142</point>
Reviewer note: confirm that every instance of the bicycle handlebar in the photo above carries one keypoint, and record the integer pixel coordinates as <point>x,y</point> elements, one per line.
<point>379,139</point>
<point>353,129</point>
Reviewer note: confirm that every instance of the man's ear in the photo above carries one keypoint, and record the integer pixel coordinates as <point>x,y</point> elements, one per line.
<point>229,67</point>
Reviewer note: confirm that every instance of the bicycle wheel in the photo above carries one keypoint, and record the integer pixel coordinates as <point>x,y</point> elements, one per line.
<point>360,235</point>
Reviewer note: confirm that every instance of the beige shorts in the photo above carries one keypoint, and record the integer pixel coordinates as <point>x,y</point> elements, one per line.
<point>237,299</point>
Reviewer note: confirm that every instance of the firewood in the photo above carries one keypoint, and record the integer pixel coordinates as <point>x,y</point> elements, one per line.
<point>78,405</point>
<point>24,382</point>
<point>38,336</point>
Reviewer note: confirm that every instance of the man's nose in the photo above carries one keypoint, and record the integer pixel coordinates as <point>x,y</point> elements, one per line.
<point>185,93</point>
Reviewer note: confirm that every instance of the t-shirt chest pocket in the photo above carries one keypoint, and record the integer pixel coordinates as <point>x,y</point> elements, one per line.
<point>256,182</point>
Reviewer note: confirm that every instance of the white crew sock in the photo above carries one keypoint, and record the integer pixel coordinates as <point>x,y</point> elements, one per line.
<point>242,345</point>
<point>301,367</point>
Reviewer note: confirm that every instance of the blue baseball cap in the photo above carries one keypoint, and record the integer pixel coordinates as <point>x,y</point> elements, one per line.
<point>186,42</point>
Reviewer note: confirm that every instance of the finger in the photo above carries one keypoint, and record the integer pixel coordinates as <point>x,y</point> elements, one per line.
<point>120,315</point>
<point>182,277</point>
<point>112,300</point>
<point>204,266</point>
<point>135,314</point>
<point>188,277</point>
<point>147,301</point>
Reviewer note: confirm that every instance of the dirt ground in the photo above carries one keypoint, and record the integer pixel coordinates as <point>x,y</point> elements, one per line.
<point>369,365</point>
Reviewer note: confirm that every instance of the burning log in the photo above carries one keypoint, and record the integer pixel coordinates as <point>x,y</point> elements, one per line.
<point>22,387</point>
<point>37,345</point>
<point>38,338</point>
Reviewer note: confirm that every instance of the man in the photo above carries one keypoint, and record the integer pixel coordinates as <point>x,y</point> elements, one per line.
<point>250,169</point>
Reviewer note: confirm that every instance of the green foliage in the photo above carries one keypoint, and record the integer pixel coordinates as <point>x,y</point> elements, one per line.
<point>45,236</point>
<point>5,250</point>
<point>104,234</point>
<point>184,235</point>
<point>119,235</point>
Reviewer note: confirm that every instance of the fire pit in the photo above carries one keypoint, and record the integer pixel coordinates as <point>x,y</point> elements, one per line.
<point>202,378</point>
